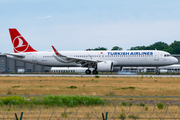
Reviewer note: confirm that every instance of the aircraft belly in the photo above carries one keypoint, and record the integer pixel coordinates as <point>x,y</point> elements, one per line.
<point>134,61</point>
<point>129,62</point>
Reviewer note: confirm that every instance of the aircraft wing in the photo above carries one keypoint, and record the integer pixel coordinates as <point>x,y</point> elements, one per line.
<point>81,61</point>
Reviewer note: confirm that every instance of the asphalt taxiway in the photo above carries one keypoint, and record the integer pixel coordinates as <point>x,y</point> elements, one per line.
<point>83,75</point>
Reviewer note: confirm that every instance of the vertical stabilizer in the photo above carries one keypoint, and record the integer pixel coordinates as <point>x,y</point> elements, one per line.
<point>19,43</point>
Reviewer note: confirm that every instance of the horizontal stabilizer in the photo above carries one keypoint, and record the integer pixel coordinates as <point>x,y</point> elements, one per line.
<point>15,55</point>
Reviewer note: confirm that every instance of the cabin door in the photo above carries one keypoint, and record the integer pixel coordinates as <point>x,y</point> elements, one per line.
<point>156,56</point>
<point>34,57</point>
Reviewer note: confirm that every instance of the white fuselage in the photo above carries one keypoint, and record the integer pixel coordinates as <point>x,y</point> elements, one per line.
<point>119,58</point>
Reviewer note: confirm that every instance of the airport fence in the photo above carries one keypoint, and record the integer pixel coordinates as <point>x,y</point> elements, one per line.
<point>116,110</point>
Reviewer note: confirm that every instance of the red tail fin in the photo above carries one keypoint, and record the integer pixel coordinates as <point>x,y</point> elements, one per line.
<point>19,43</point>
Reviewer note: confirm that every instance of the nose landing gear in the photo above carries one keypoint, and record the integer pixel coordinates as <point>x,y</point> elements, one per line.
<point>157,71</point>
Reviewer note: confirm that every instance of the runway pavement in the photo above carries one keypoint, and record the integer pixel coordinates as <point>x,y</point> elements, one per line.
<point>83,75</point>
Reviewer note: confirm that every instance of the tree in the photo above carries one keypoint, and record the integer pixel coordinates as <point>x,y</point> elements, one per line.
<point>158,45</point>
<point>176,47</point>
<point>138,48</point>
<point>99,48</point>
<point>116,48</point>
<point>169,50</point>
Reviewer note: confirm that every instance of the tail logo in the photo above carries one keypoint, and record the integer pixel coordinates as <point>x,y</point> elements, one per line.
<point>20,45</point>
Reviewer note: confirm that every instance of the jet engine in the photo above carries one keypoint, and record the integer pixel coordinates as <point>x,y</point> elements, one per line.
<point>105,66</point>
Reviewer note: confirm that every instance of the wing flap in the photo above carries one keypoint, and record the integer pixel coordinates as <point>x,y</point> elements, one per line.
<point>82,59</point>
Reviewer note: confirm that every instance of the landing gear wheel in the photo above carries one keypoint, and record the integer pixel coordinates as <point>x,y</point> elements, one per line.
<point>157,72</point>
<point>88,72</point>
<point>95,72</point>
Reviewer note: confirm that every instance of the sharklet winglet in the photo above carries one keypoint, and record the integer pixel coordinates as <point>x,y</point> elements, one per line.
<point>57,53</point>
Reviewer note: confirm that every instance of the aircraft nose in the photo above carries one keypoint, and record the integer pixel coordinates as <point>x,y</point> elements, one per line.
<point>175,60</point>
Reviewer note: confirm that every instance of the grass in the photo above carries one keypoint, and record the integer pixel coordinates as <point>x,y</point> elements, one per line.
<point>72,100</point>
<point>141,104</point>
<point>90,112</point>
<point>126,104</point>
<point>133,117</point>
<point>15,86</point>
<point>96,76</point>
<point>72,87</point>
<point>131,111</point>
<point>60,100</point>
<point>160,105</point>
<point>87,86</point>
<point>146,108</point>
<point>131,88</point>
<point>9,93</point>
<point>126,86</point>
<point>12,100</point>
<point>111,94</point>
<point>122,116</point>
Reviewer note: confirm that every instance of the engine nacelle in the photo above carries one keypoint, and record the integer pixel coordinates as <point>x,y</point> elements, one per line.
<point>105,66</point>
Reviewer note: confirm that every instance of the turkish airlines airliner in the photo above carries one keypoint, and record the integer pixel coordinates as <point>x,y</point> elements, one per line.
<point>98,60</point>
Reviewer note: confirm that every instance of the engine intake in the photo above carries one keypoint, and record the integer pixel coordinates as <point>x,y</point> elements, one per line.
<point>105,66</point>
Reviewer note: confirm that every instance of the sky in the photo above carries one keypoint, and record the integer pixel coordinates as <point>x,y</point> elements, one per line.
<point>73,25</point>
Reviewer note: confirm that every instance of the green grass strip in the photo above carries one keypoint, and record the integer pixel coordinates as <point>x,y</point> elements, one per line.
<point>59,100</point>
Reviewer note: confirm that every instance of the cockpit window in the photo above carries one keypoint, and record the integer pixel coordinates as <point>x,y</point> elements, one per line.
<point>167,55</point>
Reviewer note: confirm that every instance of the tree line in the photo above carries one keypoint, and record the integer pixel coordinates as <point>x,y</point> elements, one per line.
<point>103,48</point>
<point>173,48</point>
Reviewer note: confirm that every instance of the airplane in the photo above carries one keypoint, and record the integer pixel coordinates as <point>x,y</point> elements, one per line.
<point>100,61</point>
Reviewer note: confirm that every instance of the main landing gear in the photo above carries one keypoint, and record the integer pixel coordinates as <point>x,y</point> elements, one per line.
<point>95,72</point>
<point>89,71</point>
